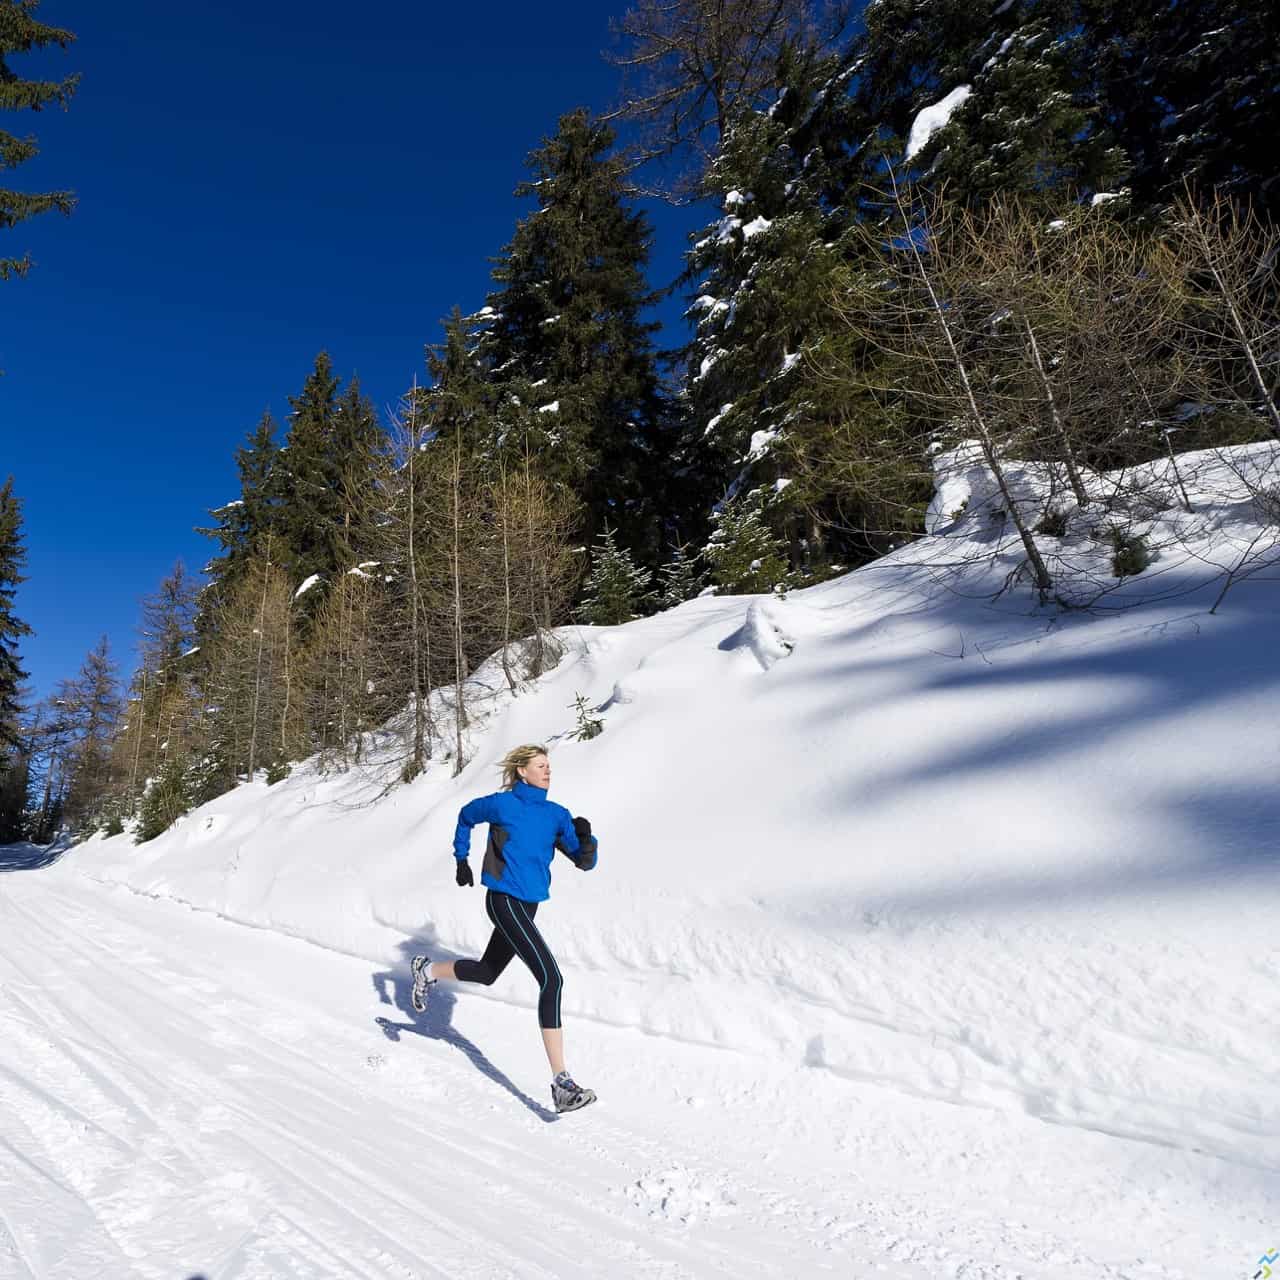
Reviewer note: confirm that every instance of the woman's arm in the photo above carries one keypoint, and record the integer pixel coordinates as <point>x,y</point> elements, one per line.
<point>482,809</point>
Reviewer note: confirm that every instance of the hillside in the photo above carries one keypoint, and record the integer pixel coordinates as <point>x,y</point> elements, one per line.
<point>947,915</point>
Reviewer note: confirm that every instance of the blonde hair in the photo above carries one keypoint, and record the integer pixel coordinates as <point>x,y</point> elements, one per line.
<point>518,758</point>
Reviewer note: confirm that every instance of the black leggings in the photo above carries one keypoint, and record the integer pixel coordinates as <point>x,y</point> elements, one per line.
<point>515,934</point>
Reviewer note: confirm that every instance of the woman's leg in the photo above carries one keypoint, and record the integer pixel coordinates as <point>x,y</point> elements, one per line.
<point>486,970</point>
<point>515,919</point>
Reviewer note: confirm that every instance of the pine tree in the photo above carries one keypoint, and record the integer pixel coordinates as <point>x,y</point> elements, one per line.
<point>310,505</point>
<point>563,333</point>
<point>244,524</point>
<point>745,556</point>
<point>616,590</point>
<point>21,33</point>
<point>12,629</point>
<point>681,578</point>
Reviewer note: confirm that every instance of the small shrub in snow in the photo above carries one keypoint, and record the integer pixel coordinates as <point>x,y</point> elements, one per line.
<point>1129,552</point>
<point>113,825</point>
<point>617,590</point>
<point>277,771</point>
<point>167,799</point>
<point>589,726</point>
<point>1053,524</point>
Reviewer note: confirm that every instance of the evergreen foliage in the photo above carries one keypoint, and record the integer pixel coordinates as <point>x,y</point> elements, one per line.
<point>681,578</point>
<point>1191,94</point>
<point>588,726</point>
<point>168,797</point>
<point>745,556</point>
<point>244,524</point>
<point>563,334</point>
<point>15,784</point>
<point>616,589</point>
<point>1031,122</point>
<point>12,629</point>
<point>20,33</point>
<point>756,391</point>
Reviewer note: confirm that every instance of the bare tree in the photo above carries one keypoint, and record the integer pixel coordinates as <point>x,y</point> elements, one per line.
<point>1228,259</point>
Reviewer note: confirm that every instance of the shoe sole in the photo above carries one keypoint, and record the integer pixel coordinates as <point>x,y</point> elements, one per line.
<point>419,994</point>
<point>587,1098</point>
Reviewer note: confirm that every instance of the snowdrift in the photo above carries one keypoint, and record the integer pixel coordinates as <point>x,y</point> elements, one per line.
<point>907,827</point>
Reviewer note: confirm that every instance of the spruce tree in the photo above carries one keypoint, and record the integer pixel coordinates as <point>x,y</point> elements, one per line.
<point>745,556</point>
<point>12,629</point>
<point>762,276</point>
<point>616,590</point>
<point>244,523</point>
<point>680,576</point>
<point>21,33</point>
<point>564,333</point>
<point>310,504</point>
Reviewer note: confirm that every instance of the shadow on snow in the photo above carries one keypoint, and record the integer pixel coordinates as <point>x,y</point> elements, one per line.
<point>394,988</point>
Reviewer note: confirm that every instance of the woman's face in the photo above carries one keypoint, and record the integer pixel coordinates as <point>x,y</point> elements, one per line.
<point>537,773</point>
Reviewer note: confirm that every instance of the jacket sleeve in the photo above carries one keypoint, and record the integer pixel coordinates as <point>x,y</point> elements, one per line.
<point>566,836</point>
<point>581,849</point>
<point>483,809</point>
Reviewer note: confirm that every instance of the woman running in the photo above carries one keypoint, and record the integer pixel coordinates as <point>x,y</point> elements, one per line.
<point>525,830</point>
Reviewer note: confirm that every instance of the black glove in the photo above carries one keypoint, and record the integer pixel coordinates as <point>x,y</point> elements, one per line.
<point>464,876</point>
<point>585,858</point>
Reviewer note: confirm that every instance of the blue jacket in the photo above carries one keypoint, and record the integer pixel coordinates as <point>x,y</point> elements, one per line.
<point>524,828</point>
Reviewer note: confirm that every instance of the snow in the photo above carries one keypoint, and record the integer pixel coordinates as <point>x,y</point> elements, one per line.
<point>933,933</point>
<point>307,585</point>
<point>789,362</point>
<point>193,649</point>
<point>760,442</point>
<point>717,419</point>
<point>755,227</point>
<point>1103,197</point>
<point>553,407</point>
<point>930,119</point>
<point>707,361</point>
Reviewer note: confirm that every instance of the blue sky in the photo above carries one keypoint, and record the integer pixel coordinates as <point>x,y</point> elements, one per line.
<point>256,182</point>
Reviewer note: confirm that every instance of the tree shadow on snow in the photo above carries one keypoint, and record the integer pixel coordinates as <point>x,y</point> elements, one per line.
<point>30,857</point>
<point>1167,672</point>
<point>395,986</point>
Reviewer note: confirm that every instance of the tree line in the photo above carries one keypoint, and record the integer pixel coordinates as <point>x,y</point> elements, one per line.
<point>1042,230</point>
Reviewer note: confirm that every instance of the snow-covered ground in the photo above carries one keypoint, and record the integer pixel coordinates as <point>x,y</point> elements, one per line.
<point>933,934</point>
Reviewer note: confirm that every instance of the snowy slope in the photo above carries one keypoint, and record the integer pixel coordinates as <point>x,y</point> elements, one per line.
<point>933,932</point>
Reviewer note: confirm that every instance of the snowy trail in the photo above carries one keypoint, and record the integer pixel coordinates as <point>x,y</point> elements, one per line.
<point>185,1096</point>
